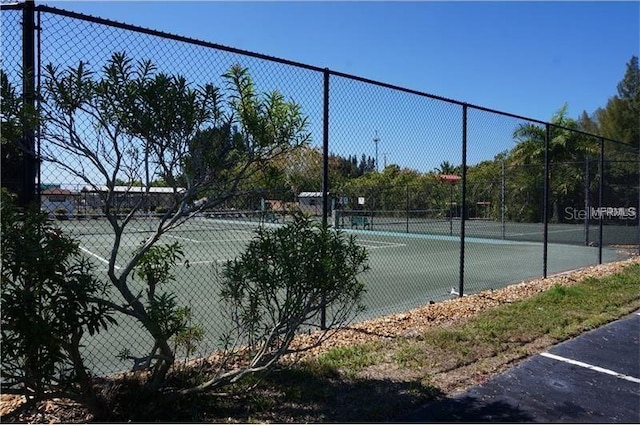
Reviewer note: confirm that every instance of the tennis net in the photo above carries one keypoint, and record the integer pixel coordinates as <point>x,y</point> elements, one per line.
<point>367,218</point>
<point>98,224</point>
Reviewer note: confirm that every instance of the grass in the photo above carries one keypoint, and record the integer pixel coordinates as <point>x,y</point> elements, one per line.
<point>350,359</point>
<point>554,315</point>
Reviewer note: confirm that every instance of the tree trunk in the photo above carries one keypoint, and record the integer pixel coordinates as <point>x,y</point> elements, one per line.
<point>88,396</point>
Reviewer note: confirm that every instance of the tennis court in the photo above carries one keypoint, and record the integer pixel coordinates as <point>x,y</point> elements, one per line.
<point>436,222</point>
<point>407,270</point>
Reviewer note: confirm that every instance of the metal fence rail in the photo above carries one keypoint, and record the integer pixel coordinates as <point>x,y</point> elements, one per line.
<point>449,198</point>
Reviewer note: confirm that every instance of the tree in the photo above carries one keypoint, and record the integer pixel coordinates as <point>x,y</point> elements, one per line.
<point>301,170</point>
<point>484,184</point>
<point>394,190</point>
<point>446,168</point>
<point>587,123</point>
<point>15,153</point>
<point>367,164</point>
<point>50,299</point>
<point>130,123</point>
<point>11,119</point>
<point>620,119</point>
<point>568,151</point>
<point>341,169</point>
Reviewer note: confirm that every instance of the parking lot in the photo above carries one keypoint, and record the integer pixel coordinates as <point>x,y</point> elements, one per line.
<point>593,378</point>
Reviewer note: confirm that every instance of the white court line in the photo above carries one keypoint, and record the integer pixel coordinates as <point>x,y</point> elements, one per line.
<point>381,244</point>
<point>371,247</point>
<point>232,240</point>
<point>191,240</point>
<point>209,262</point>
<point>100,258</point>
<point>549,232</point>
<point>213,241</point>
<point>591,367</point>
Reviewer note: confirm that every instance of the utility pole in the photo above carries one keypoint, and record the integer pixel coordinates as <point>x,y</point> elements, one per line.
<point>376,140</point>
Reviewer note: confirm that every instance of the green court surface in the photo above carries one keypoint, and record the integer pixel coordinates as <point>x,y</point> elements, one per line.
<point>622,232</point>
<point>407,270</point>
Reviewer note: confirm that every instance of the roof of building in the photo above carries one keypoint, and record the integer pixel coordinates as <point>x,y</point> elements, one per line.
<point>310,195</point>
<point>134,189</point>
<point>450,178</point>
<point>56,191</point>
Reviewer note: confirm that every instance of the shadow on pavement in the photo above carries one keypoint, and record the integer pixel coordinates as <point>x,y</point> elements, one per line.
<point>468,409</point>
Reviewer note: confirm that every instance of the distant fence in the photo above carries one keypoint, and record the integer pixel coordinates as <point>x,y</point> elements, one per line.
<point>388,163</point>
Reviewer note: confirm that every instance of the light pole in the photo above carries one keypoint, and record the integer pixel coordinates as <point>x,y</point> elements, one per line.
<point>376,140</point>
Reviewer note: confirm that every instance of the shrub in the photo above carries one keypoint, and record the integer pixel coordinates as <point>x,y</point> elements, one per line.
<point>285,282</point>
<point>49,300</point>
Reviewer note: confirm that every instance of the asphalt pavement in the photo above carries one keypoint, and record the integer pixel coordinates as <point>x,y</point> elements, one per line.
<point>593,378</point>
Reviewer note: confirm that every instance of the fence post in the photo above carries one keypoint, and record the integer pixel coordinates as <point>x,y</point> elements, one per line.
<point>463,201</point>
<point>407,218</point>
<point>28,104</point>
<point>600,196</point>
<point>325,150</point>
<point>325,174</point>
<point>587,206</point>
<point>503,201</point>
<point>545,202</point>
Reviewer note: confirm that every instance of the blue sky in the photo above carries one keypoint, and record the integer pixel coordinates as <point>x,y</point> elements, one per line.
<point>526,58</point>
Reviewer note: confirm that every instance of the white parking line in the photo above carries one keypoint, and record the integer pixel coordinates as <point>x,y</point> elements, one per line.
<point>591,367</point>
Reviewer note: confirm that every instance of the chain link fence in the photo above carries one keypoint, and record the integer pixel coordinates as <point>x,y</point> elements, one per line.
<point>449,198</point>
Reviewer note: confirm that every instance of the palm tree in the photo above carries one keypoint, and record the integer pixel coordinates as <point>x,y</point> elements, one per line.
<point>568,151</point>
<point>447,168</point>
